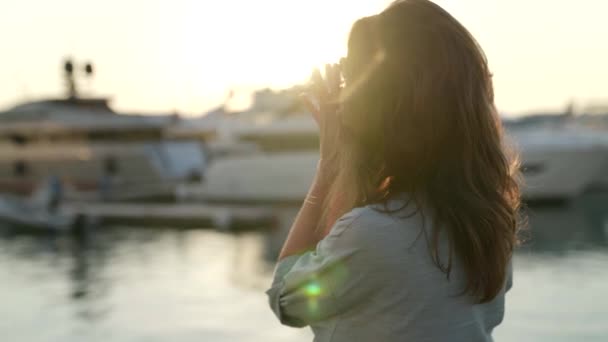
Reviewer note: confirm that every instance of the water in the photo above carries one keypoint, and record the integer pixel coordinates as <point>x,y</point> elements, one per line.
<point>128,284</point>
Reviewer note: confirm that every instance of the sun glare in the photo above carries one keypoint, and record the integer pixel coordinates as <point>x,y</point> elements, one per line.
<point>274,43</point>
<point>187,55</point>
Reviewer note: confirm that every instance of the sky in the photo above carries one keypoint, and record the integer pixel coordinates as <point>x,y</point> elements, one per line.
<point>187,55</point>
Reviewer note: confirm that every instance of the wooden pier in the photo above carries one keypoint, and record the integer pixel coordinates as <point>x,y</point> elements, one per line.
<point>175,215</point>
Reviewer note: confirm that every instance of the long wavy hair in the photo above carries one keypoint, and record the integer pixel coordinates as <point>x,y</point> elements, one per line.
<point>418,117</point>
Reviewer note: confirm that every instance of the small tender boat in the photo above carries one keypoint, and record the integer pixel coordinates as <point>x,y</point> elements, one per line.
<point>41,212</point>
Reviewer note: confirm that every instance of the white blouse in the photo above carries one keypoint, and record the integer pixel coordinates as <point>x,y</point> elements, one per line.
<point>372,278</point>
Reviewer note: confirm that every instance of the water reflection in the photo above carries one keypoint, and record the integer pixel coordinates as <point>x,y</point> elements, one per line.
<point>580,224</point>
<point>126,284</point>
<point>88,286</point>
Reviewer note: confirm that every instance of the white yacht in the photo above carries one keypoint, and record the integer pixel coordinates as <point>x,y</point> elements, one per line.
<point>267,154</point>
<point>562,163</point>
<point>274,123</point>
<point>94,151</point>
<point>560,159</point>
<point>84,143</point>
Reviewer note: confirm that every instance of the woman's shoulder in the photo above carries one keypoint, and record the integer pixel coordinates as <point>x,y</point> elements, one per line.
<point>379,221</point>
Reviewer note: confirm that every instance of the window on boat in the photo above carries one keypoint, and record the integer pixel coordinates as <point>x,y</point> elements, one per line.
<point>20,168</point>
<point>110,166</point>
<point>18,139</point>
<point>532,168</point>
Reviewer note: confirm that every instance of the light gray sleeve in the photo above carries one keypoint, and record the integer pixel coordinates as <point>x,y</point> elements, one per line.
<point>323,283</point>
<point>509,282</point>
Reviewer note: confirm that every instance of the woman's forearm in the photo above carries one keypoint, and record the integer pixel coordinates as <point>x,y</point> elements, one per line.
<point>304,234</point>
<point>321,100</point>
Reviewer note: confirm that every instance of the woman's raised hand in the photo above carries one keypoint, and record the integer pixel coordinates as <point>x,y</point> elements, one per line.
<point>322,100</point>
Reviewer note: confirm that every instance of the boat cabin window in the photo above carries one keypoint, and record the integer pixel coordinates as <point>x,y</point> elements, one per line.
<point>532,168</point>
<point>20,168</point>
<point>18,139</point>
<point>110,166</point>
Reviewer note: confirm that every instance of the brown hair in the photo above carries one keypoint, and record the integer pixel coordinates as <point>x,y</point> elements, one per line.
<point>418,117</point>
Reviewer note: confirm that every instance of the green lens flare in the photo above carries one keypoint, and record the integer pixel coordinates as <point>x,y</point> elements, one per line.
<point>313,289</point>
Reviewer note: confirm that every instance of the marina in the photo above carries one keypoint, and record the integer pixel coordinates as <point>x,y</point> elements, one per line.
<point>133,226</point>
<point>264,154</point>
<point>154,156</point>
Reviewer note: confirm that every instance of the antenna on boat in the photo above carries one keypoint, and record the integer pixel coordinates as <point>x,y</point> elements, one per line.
<point>88,69</point>
<point>570,109</point>
<point>70,77</point>
<point>227,99</point>
<point>89,72</point>
<point>68,68</point>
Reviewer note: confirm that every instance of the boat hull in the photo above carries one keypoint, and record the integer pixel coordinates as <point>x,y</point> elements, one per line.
<point>549,174</point>
<point>260,178</point>
<point>123,171</point>
<point>564,173</point>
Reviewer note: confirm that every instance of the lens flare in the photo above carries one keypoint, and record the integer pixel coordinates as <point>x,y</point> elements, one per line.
<point>313,289</point>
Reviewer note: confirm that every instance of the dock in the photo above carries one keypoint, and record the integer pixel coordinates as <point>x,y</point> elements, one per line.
<point>175,215</point>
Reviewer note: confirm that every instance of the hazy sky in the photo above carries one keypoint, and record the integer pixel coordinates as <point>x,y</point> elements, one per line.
<point>161,55</point>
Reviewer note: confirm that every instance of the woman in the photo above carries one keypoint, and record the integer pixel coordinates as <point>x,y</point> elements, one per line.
<point>409,226</point>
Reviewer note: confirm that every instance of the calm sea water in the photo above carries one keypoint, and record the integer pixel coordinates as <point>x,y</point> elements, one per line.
<point>128,284</point>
